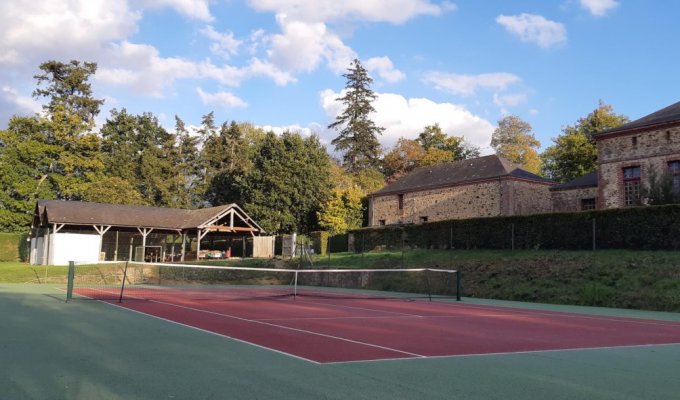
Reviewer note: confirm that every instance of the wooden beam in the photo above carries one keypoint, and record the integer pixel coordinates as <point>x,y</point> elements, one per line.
<point>230,229</point>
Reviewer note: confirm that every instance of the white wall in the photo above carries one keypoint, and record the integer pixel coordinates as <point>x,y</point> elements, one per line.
<point>65,247</point>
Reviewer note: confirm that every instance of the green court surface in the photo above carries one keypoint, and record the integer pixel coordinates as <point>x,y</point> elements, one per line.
<point>91,350</point>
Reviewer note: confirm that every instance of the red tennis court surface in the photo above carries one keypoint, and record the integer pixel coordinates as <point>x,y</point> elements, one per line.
<point>343,330</point>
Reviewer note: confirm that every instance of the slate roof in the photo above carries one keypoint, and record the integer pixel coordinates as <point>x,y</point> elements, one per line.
<point>587,180</point>
<point>85,213</point>
<point>459,172</point>
<point>668,115</point>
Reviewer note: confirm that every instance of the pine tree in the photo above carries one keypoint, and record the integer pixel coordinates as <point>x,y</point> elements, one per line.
<point>358,133</point>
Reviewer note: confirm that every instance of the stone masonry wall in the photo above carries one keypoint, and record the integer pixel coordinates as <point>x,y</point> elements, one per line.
<point>526,198</point>
<point>569,200</point>
<point>457,202</point>
<point>651,149</point>
<point>485,199</point>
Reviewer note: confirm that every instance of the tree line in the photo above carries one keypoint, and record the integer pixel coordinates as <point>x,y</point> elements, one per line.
<point>287,182</point>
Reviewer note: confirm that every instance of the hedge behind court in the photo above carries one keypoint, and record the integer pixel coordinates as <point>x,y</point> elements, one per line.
<point>635,228</point>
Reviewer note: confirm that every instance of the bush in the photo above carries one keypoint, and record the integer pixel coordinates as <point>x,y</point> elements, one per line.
<point>635,228</point>
<point>13,247</point>
<point>320,242</point>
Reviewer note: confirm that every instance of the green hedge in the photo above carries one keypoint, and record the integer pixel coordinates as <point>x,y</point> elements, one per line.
<point>13,247</point>
<point>635,228</point>
<point>320,242</point>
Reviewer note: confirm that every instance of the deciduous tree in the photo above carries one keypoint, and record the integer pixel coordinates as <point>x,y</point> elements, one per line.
<point>574,153</point>
<point>514,140</point>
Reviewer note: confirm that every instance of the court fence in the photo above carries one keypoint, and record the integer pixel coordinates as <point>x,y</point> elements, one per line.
<point>635,228</point>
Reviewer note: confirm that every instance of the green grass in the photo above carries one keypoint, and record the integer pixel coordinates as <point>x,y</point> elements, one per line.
<point>611,278</point>
<point>647,280</point>
<point>15,272</point>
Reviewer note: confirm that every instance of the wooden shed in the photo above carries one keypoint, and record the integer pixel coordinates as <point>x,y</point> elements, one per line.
<point>64,231</point>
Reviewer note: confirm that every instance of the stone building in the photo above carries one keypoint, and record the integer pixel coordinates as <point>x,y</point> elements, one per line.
<point>488,186</point>
<point>577,195</point>
<point>628,156</point>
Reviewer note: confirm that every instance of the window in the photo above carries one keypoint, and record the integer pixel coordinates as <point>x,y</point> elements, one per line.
<point>587,204</point>
<point>401,201</point>
<point>423,219</point>
<point>674,170</point>
<point>381,222</point>
<point>634,139</point>
<point>631,186</point>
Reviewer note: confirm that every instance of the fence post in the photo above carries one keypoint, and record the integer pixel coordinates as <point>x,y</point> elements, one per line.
<point>512,236</point>
<point>594,237</point>
<point>362,249</point>
<point>403,238</point>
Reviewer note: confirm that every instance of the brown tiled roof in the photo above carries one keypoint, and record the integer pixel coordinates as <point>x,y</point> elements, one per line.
<point>587,180</point>
<point>85,213</point>
<point>459,172</point>
<point>668,115</point>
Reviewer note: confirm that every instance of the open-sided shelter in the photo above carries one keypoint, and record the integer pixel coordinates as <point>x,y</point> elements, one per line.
<point>64,231</point>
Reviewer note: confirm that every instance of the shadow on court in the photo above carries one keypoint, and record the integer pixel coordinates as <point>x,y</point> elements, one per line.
<point>91,350</point>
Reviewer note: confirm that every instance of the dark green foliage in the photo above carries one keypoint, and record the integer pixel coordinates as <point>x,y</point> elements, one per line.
<point>636,228</point>
<point>287,183</point>
<point>13,247</point>
<point>661,189</point>
<point>68,89</point>
<point>358,133</point>
<point>574,153</point>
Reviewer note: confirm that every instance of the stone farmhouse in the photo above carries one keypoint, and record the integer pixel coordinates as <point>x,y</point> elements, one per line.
<point>627,156</point>
<point>487,186</point>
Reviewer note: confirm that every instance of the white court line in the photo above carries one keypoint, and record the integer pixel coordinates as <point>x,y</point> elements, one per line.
<point>573,314</point>
<point>290,328</point>
<point>509,353</point>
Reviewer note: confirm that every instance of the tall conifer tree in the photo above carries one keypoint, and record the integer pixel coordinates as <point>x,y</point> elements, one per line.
<point>358,133</point>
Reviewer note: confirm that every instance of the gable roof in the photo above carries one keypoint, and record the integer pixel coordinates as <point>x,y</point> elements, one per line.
<point>665,116</point>
<point>459,172</point>
<point>584,181</point>
<point>86,213</point>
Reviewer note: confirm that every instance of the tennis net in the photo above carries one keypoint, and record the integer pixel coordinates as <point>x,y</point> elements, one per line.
<point>123,281</point>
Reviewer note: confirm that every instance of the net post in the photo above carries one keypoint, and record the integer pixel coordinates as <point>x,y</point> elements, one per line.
<point>295,285</point>
<point>427,284</point>
<point>70,279</point>
<point>122,286</point>
<point>458,286</point>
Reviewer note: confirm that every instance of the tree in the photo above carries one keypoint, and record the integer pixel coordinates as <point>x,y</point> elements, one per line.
<point>514,140</point>
<point>358,133</point>
<point>288,182</point>
<point>661,189</point>
<point>68,89</point>
<point>140,151</point>
<point>574,153</point>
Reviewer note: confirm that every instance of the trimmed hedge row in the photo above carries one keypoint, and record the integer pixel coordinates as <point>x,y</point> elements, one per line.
<point>13,247</point>
<point>635,228</point>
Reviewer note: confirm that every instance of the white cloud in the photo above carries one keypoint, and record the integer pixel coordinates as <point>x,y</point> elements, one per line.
<point>222,99</point>
<point>383,66</point>
<point>140,67</point>
<point>599,8</point>
<point>468,84</point>
<point>304,131</point>
<point>402,117</point>
<point>11,103</point>
<point>509,100</point>
<point>33,31</point>
<point>394,11</point>
<point>224,44</point>
<point>195,9</point>
<point>534,28</point>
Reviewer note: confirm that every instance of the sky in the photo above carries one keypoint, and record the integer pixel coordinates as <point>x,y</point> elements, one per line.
<point>278,64</point>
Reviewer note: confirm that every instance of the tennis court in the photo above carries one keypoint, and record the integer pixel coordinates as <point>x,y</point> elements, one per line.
<point>329,325</point>
<point>96,350</point>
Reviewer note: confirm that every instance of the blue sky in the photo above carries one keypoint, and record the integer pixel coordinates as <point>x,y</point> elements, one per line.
<point>278,63</point>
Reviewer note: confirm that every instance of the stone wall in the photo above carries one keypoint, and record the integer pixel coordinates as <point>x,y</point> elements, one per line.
<point>484,199</point>
<point>651,149</point>
<point>569,200</point>
<point>524,198</point>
